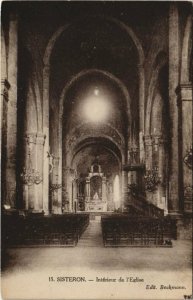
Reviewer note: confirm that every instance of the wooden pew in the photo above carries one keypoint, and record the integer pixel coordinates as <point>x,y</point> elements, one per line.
<point>37,230</point>
<point>139,232</point>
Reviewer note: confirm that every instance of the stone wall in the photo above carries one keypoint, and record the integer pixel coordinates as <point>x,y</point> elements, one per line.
<point>156,36</point>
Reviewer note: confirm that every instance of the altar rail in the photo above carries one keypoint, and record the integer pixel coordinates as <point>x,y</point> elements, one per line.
<point>121,231</point>
<point>37,230</point>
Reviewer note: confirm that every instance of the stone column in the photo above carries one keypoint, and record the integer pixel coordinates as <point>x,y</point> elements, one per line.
<point>174,65</point>
<point>141,148</point>
<point>141,112</point>
<point>87,189</point>
<point>104,189</point>
<point>55,187</point>
<point>40,140</point>
<point>162,172</point>
<point>124,190</point>
<point>184,93</point>
<point>87,192</point>
<point>75,198</point>
<point>76,190</point>
<point>66,186</point>
<point>148,161</point>
<point>110,204</point>
<point>72,188</point>
<point>133,158</point>
<point>12,112</point>
<point>32,174</point>
<point>4,107</point>
<point>148,152</point>
<point>161,163</point>
<point>141,96</point>
<point>30,162</point>
<point>46,73</point>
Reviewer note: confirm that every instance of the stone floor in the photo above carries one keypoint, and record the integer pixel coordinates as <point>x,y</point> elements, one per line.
<point>26,271</point>
<point>92,237</point>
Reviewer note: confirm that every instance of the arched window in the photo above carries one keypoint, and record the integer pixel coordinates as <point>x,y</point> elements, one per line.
<point>116,192</point>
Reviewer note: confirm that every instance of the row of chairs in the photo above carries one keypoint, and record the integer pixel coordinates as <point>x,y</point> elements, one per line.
<point>34,230</point>
<point>143,232</point>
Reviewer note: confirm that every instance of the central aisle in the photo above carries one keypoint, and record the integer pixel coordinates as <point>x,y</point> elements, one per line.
<point>92,237</point>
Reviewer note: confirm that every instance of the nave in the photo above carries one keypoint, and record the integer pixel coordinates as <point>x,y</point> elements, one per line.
<point>70,230</point>
<point>96,120</point>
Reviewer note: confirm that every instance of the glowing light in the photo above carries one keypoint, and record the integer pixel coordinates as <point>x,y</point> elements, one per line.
<point>96,108</point>
<point>96,92</point>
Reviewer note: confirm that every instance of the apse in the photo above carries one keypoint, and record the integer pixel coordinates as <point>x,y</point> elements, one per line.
<point>96,187</point>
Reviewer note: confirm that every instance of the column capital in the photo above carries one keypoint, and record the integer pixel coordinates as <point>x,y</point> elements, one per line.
<point>134,149</point>
<point>140,65</point>
<point>158,139</point>
<point>147,140</point>
<point>46,68</point>
<point>40,138</point>
<point>87,179</point>
<point>35,138</point>
<point>66,169</point>
<point>56,158</point>
<point>30,137</point>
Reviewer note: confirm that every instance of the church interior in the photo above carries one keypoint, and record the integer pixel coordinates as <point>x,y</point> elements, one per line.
<point>96,124</point>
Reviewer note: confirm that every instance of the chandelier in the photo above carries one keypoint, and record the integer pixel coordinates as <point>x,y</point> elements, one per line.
<point>152,179</point>
<point>188,158</point>
<point>30,175</point>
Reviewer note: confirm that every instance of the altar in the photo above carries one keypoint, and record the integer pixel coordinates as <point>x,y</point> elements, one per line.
<point>96,204</point>
<point>96,190</point>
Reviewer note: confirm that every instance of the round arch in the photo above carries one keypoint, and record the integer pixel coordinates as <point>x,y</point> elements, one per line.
<point>3,53</point>
<point>115,21</point>
<point>46,78</point>
<point>50,47</point>
<point>106,74</point>
<point>186,52</point>
<point>159,62</point>
<point>107,144</point>
<point>118,140</point>
<point>108,147</point>
<point>70,84</point>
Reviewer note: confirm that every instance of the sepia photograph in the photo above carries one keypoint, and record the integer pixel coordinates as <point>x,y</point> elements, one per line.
<point>96,150</point>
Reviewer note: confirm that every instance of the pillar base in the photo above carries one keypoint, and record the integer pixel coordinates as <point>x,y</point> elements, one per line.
<point>175,214</point>
<point>184,225</point>
<point>56,211</point>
